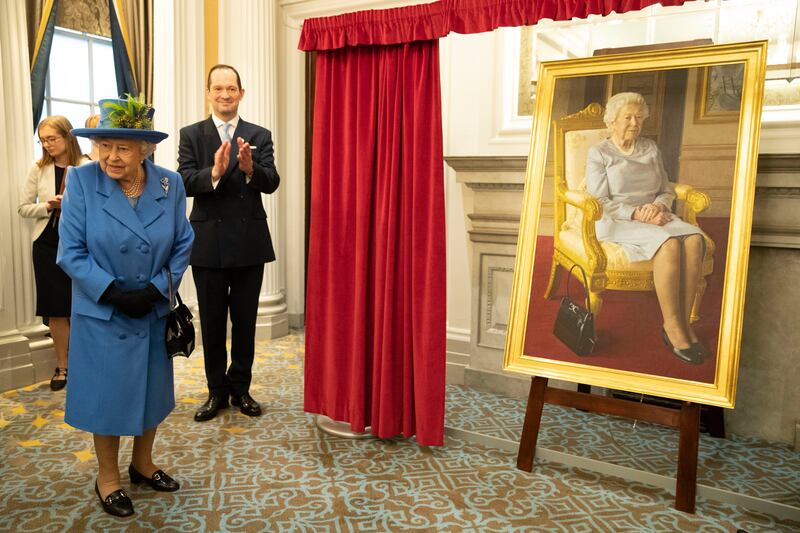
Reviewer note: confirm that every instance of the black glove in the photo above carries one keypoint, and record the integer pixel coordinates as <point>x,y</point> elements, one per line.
<point>135,304</point>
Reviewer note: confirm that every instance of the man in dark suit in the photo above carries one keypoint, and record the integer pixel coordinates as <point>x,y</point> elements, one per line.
<point>226,165</point>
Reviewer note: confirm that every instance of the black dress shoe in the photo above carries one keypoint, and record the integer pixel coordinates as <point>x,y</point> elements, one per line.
<point>687,355</point>
<point>700,349</point>
<point>117,503</point>
<point>160,480</point>
<point>210,409</point>
<point>246,404</point>
<point>58,384</point>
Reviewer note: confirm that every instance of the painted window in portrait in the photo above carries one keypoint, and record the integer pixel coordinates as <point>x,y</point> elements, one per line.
<point>635,278</point>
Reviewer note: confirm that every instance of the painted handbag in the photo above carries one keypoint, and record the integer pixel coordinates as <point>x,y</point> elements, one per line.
<point>575,324</point>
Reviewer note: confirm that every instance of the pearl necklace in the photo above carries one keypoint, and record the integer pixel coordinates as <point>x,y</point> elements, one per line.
<point>136,188</point>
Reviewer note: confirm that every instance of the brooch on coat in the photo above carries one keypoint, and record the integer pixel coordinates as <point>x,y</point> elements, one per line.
<point>165,184</point>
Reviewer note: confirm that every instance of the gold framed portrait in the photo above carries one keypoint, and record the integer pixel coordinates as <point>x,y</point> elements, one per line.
<point>632,277</point>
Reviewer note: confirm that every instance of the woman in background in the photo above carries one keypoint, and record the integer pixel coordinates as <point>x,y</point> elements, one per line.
<point>41,200</point>
<point>91,122</point>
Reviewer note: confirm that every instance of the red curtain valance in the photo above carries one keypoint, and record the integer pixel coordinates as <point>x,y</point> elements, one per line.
<point>435,20</point>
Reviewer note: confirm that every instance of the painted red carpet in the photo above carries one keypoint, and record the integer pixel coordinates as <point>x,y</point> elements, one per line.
<point>629,325</point>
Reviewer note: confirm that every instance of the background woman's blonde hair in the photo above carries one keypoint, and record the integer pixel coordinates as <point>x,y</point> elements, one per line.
<point>63,127</point>
<point>92,121</point>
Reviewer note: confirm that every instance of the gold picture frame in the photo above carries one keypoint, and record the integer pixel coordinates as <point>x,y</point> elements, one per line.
<point>720,158</point>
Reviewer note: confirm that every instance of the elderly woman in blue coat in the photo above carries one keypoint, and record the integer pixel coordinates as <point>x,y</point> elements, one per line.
<point>123,228</point>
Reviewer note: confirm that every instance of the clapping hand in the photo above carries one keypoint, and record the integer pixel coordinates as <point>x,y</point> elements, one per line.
<point>245,156</point>
<point>221,157</point>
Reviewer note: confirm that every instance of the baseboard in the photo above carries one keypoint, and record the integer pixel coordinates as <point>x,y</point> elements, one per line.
<point>297,320</point>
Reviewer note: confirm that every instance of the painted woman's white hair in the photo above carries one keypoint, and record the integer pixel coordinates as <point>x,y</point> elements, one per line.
<point>620,100</point>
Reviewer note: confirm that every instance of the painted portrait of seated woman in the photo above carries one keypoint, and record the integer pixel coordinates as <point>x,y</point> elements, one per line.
<point>626,174</point>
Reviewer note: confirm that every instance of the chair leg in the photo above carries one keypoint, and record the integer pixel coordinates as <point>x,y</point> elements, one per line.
<point>596,303</point>
<point>698,298</point>
<point>555,277</point>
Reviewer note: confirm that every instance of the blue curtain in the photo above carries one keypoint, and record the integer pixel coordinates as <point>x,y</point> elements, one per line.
<point>41,57</point>
<point>123,61</point>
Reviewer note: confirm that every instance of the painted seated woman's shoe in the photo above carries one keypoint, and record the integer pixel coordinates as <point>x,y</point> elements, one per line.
<point>687,355</point>
<point>701,350</point>
<point>160,480</point>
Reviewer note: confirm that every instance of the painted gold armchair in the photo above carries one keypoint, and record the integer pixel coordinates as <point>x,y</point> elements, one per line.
<point>575,212</point>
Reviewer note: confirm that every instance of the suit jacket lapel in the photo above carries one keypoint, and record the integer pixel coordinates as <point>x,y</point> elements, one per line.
<point>211,138</point>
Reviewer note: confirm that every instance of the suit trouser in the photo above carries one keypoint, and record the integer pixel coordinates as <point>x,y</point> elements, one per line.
<point>219,290</point>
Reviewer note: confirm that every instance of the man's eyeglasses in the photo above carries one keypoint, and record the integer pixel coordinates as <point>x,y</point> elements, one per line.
<point>50,140</point>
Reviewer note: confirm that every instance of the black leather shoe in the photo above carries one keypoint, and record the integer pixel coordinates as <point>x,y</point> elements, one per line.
<point>58,384</point>
<point>210,409</point>
<point>246,404</point>
<point>700,349</point>
<point>160,480</point>
<point>117,503</point>
<point>687,355</point>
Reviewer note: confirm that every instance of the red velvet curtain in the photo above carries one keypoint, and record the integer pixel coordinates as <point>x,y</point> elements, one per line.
<point>437,19</point>
<point>375,310</point>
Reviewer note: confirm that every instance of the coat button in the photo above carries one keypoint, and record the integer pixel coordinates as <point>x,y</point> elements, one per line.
<point>123,248</point>
<point>219,220</point>
<point>121,279</point>
<point>140,277</point>
<point>241,196</point>
<point>122,336</point>
<point>144,249</point>
<point>141,334</point>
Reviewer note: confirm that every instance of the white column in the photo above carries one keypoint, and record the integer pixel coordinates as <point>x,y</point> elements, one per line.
<point>247,41</point>
<point>20,330</point>
<point>178,94</point>
<point>292,122</point>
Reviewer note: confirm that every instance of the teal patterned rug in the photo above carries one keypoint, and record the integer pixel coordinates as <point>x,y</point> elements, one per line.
<point>278,472</point>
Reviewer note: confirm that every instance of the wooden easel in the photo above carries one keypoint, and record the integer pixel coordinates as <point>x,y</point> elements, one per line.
<point>686,420</point>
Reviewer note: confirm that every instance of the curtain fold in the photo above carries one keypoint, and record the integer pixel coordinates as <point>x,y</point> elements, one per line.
<point>435,20</point>
<point>375,311</point>
<point>40,52</point>
<point>132,41</point>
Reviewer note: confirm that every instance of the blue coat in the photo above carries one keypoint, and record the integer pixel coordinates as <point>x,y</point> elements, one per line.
<point>120,378</point>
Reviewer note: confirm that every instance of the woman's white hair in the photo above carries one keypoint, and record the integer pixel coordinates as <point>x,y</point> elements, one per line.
<point>147,148</point>
<point>620,100</point>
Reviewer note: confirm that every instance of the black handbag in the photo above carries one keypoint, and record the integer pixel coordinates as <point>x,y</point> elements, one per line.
<point>575,324</point>
<point>180,329</point>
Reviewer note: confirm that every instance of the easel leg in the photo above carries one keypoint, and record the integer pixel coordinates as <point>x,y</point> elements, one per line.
<point>530,428</point>
<point>686,488</point>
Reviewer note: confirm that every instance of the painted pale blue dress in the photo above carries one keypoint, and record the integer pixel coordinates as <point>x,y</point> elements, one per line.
<point>120,378</point>
<point>622,182</point>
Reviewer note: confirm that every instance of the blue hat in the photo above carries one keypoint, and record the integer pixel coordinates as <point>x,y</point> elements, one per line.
<point>124,118</point>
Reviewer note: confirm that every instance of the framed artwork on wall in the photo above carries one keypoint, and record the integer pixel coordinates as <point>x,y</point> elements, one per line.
<point>644,252</point>
<point>719,93</point>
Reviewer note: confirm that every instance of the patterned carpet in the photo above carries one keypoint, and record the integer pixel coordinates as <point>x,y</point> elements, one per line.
<point>744,465</point>
<point>279,473</point>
